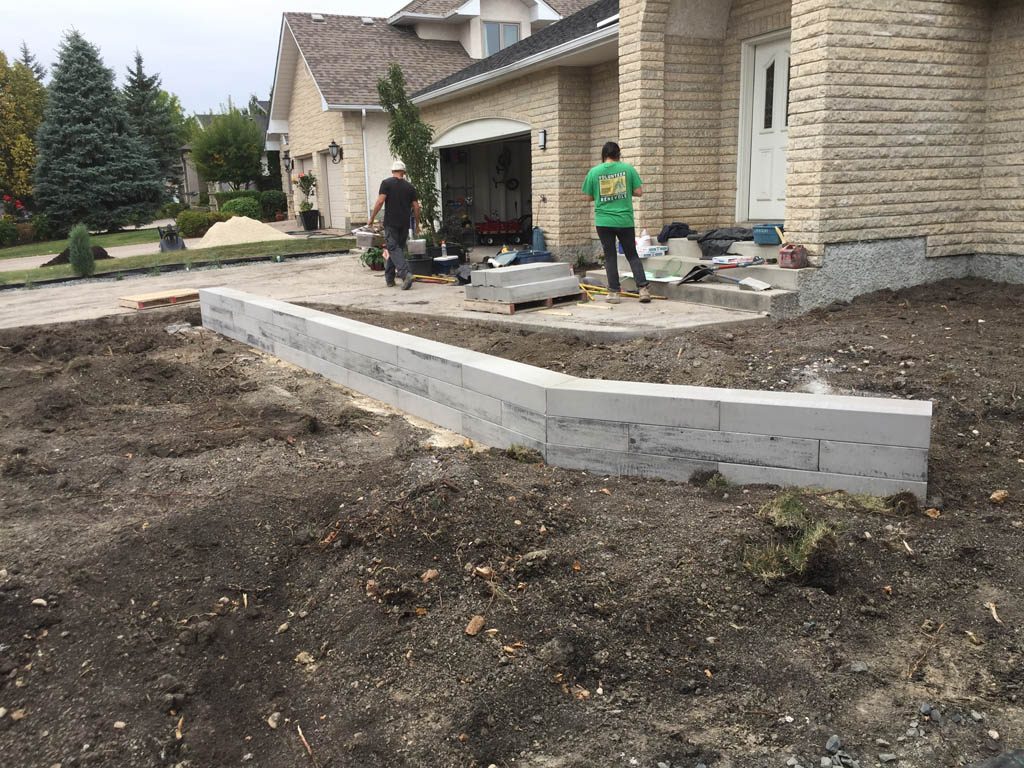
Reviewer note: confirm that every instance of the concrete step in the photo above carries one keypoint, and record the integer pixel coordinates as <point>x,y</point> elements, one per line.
<point>716,294</point>
<point>787,279</point>
<point>683,248</point>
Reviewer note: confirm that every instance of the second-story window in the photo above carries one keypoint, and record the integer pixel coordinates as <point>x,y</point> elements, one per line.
<point>498,35</point>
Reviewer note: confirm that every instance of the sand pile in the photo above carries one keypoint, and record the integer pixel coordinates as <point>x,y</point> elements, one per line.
<point>238,230</point>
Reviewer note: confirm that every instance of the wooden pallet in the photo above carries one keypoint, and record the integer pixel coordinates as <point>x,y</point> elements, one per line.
<point>506,308</point>
<point>160,299</point>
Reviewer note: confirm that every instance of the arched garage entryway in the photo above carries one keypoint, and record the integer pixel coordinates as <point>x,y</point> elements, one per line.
<point>485,180</point>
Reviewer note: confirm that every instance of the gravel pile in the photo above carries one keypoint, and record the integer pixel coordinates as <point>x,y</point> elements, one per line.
<point>238,230</point>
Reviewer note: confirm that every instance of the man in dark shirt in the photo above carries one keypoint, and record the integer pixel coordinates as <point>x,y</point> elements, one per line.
<point>400,202</point>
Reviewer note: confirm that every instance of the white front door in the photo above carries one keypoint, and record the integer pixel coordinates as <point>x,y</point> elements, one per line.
<point>769,126</point>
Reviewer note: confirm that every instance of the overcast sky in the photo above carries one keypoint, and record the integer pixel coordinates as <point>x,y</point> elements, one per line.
<point>204,50</point>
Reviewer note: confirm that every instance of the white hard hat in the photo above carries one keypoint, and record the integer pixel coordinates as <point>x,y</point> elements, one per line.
<point>398,165</point>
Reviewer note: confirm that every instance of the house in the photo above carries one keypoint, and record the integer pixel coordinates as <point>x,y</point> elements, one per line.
<point>325,85</point>
<point>887,136</point>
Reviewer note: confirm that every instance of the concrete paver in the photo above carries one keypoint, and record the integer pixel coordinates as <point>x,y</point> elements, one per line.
<point>342,281</point>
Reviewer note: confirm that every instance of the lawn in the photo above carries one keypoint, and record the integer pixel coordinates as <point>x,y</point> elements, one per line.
<point>131,237</point>
<point>197,258</point>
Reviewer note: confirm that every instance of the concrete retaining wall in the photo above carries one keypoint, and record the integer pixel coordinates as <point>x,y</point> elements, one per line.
<point>856,444</point>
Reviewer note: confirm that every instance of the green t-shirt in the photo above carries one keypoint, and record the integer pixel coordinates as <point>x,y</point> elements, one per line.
<point>611,185</point>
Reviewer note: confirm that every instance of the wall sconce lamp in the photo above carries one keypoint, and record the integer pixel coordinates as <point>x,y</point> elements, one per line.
<point>288,163</point>
<point>337,153</point>
<point>542,138</point>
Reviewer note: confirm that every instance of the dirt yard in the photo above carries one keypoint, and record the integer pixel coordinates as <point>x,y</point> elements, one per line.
<point>209,558</point>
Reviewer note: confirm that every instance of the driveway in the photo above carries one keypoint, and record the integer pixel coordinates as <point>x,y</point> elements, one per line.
<point>343,281</point>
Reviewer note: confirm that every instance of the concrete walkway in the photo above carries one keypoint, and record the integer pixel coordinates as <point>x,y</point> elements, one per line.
<point>344,282</point>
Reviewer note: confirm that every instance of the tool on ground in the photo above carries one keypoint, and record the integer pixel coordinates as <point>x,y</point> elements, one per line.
<point>440,279</point>
<point>170,240</point>
<point>600,290</point>
<point>701,271</point>
<point>746,283</point>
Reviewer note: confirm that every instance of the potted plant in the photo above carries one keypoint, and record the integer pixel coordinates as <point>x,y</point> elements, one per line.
<point>373,258</point>
<point>310,216</point>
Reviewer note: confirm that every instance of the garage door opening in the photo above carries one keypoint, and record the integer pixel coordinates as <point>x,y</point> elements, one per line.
<point>486,185</point>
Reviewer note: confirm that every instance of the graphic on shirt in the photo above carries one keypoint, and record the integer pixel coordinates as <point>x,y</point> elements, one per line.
<point>613,187</point>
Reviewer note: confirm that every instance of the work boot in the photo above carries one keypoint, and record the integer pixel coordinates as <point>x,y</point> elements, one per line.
<point>612,297</point>
<point>645,295</point>
<point>407,280</point>
<point>389,282</point>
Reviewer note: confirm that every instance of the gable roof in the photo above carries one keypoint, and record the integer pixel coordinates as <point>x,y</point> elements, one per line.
<point>347,56</point>
<point>579,25</point>
<point>446,7</point>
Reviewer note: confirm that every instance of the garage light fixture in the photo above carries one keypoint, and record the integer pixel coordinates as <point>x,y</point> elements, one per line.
<point>289,164</point>
<point>337,153</point>
<point>542,138</point>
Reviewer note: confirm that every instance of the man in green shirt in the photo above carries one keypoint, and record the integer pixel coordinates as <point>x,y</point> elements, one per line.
<point>612,185</point>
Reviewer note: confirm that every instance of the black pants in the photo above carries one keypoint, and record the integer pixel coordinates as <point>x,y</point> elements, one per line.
<point>395,238</point>
<point>626,236</point>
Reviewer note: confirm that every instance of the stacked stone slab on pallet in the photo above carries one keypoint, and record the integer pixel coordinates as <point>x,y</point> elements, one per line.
<point>856,444</point>
<point>523,283</point>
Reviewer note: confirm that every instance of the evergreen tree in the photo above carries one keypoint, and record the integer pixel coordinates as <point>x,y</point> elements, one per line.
<point>80,252</point>
<point>151,120</point>
<point>90,168</point>
<point>410,139</point>
<point>32,63</point>
<point>229,150</point>
<point>22,100</point>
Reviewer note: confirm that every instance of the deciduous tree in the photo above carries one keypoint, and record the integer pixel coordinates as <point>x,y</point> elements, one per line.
<point>410,139</point>
<point>229,150</point>
<point>22,100</point>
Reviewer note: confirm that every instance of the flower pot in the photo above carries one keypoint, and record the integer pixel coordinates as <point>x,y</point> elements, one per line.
<point>310,219</point>
<point>376,267</point>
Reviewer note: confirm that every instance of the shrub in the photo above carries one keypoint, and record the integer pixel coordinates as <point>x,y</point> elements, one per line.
<point>273,202</point>
<point>80,253</point>
<point>196,223</point>
<point>227,197</point>
<point>171,210</point>
<point>43,228</point>
<point>243,206</point>
<point>8,231</point>
<point>25,233</point>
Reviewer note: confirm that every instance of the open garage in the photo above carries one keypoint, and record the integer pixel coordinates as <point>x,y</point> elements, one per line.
<point>485,182</point>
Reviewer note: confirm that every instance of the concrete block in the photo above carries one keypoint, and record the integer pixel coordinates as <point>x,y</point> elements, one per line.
<point>547,289</point>
<point>524,421</point>
<point>711,445</point>
<point>379,343</point>
<point>497,436</point>
<point>601,462</point>
<point>520,274</point>
<point>681,247</point>
<point>588,433</point>
<point>430,410</point>
<point>465,400</point>
<point>434,359</point>
<point>635,402</point>
<point>745,474</point>
<point>395,375</point>
<point>481,293</point>
<point>378,390</point>
<point>331,329</point>
<point>228,298</point>
<point>874,460</point>
<point>513,382</point>
<point>871,420</point>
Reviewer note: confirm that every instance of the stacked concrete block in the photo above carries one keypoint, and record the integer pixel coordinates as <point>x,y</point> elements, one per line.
<point>523,283</point>
<point>855,444</point>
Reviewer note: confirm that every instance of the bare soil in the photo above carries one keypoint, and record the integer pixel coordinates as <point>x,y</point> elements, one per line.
<point>194,537</point>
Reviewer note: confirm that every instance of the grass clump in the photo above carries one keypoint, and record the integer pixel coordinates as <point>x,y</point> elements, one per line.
<point>802,544</point>
<point>524,455</point>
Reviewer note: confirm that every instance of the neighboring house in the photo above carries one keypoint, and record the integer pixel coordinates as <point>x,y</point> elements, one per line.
<point>887,136</point>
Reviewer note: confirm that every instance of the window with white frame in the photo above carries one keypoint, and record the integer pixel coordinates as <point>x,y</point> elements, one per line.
<point>498,35</point>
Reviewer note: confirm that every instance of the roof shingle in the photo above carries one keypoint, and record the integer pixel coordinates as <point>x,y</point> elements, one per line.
<point>444,7</point>
<point>347,57</point>
<point>579,24</point>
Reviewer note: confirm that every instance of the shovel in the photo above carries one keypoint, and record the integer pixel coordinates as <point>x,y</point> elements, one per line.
<point>747,283</point>
<point>701,271</point>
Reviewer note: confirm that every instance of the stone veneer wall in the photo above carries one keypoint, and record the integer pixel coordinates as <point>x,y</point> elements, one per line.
<point>856,444</point>
<point>888,115</point>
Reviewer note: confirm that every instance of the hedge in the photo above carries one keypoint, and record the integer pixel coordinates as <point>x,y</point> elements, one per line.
<point>273,201</point>
<point>197,223</point>
<point>243,206</point>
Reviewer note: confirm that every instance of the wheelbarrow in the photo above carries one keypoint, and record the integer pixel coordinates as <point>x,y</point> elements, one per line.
<point>170,240</point>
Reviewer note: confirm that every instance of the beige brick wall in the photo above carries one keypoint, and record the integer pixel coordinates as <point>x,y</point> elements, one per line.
<point>887,123</point>
<point>604,107</point>
<point>310,130</point>
<point>1001,208</point>
<point>558,100</point>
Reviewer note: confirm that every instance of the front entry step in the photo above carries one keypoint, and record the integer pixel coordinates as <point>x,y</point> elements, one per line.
<point>716,294</point>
